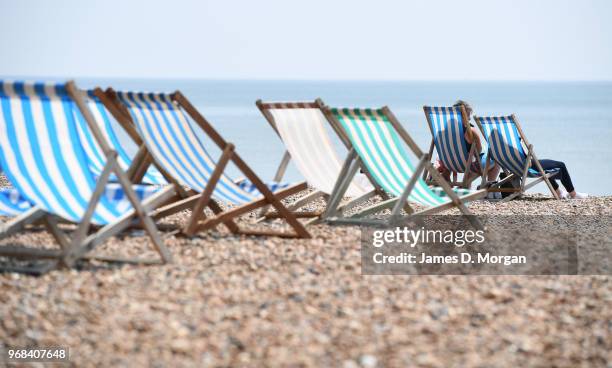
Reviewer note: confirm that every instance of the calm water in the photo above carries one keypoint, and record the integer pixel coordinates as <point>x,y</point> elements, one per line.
<point>571,122</point>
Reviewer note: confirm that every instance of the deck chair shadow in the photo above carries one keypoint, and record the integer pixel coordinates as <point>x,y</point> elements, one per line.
<point>448,126</point>
<point>43,158</point>
<point>377,143</point>
<point>508,146</point>
<point>301,126</point>
<point>163,125</point>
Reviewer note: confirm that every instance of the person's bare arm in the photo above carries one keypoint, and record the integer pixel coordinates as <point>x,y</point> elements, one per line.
<point>474,138</point>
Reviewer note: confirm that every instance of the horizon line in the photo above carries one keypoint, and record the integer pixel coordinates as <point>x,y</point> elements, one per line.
<point>241,79</point>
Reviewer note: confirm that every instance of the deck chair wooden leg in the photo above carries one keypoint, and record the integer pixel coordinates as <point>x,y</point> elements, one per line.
<point>430,152</point>
<point>526,170</point>
<point>140,214</point>
<point>142,169</point>
<point>280,172</point>
<point>356,201</point>
<point>306,200</point>
<point>544,175</point>
<point>283,212</point>
<point>497,185</point>
<point>19,222</point>
<point>62,239</point>
<point>125,221</point>
<point>537,181</point>
<point>397,207</point>
<point>81,231</point>
<point>521,191</point>
<point>375,208</point>
<point>345,177</point>
<point>455,198</point>
<point>282,167</point>
<point>230,224</point>
<point>510,197</point>
<point>175,207</point>
<point>136,162</point>
<point>240,210</point>
<point>297,204</point>
<point>467,164</point>
<point>514,195</point>
<point>527,187</point>
<point>198,209</point>
<point>523,181</point>
<point>484,180</point>
<point>449,205</point>
<point>37,270</point>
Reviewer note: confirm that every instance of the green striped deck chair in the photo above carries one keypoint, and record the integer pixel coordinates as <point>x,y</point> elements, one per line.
<point>508,146</point>
<point>42,155</point>
<point>378,141</point>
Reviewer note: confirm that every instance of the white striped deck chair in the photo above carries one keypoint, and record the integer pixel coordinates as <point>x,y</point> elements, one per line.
<point>43,157</point>
<point>448,126</point>
<point>378,141</point>
<point>301,127</point>
<point>162,121</point>
<point>508,146</point>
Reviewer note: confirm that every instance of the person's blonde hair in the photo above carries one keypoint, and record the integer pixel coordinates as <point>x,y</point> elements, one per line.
<point>466,106</point>
<point>468,111</point>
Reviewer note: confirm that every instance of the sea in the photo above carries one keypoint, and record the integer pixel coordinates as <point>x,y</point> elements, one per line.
<point>565,121</point>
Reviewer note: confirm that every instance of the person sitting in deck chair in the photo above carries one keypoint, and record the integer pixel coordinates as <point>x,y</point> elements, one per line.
<point>564,176</point>
<point>471,136</point>
<point>547,165</point>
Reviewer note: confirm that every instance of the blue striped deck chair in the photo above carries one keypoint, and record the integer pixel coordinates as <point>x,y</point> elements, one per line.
<point>13,204</point>
<point>42,155</point>
<point>508,146</point>
<point>448,126</point>
<point>163,123</point>
<point>301,126</point>
<point>112,131</point>
<point>378,145</point>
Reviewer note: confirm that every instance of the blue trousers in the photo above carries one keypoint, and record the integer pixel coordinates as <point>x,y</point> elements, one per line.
<point>562,174</point>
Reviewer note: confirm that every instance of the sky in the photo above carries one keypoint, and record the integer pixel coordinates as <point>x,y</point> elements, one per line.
<point>312,40</point>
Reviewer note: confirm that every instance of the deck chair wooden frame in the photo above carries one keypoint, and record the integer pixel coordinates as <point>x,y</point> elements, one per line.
<point>84,239</point>
<point>468,175</point>
<point>530,157</point>
<point>110,130</point>
<point>197,202</point>
<point>264,108</point>
<point>353,162</point>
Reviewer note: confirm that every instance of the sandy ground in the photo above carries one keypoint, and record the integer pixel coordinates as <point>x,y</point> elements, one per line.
<point>244,301</point>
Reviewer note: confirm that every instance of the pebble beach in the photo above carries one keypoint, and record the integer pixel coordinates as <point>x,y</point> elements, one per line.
<point>252,301</point>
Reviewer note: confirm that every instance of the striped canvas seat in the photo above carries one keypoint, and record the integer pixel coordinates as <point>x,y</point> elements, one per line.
<point>379,147</point>
<point>448,131</point>
<point>43,157</point>
<point>111,131</point>
<point>302,130</point>
<point>173,143</point>
<point>505,144</point>
<point>12,203</point>
<point>167,125</point>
